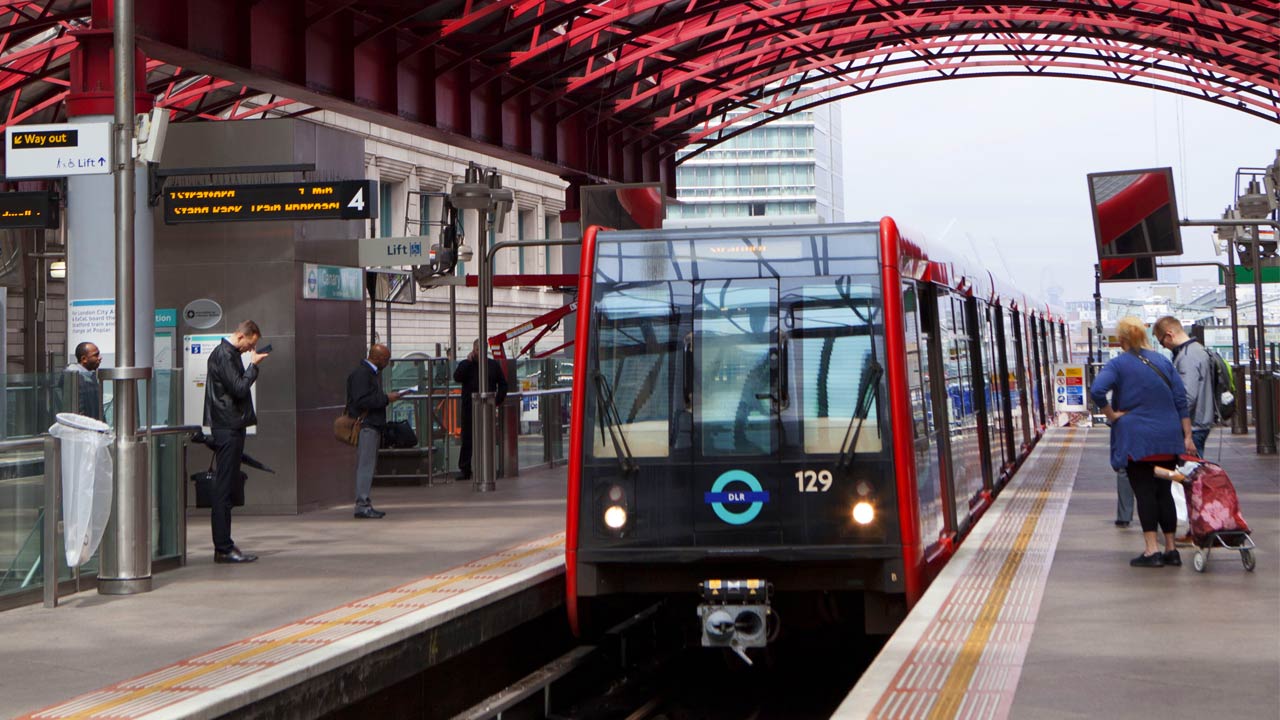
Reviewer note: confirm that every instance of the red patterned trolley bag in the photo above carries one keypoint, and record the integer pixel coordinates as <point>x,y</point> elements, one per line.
<point>1212,506</point>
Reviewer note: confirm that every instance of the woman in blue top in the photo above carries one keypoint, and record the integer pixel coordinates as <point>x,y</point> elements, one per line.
<point>1149,427</point>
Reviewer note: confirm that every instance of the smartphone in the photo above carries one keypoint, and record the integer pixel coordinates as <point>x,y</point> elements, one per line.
<point>264,349</point>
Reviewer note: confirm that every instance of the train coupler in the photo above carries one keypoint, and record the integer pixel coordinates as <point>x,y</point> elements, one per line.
<point>735,614</point>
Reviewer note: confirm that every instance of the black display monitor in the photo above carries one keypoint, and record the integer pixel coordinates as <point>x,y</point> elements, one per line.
<point>1135,213</point>
<point>1140,269</point>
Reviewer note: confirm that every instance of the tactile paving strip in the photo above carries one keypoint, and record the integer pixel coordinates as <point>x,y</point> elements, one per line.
<point>967,661</point>
<point>155,693</point>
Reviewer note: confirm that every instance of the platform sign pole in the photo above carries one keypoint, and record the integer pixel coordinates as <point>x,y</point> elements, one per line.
<point>126,551</point>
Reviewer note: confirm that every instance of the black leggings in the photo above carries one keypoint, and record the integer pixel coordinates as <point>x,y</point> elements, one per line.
<point>1154,497</point>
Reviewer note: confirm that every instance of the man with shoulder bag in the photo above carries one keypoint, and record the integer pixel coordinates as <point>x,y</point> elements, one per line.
<point>367,404</point>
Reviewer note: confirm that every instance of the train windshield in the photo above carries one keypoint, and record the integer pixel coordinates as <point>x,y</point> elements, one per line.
<point>715,346</point>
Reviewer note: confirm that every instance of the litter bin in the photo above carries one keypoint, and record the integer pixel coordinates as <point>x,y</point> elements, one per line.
<point>86,483</point>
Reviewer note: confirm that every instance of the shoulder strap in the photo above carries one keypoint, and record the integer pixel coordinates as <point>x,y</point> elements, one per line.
<point>1151,365</point>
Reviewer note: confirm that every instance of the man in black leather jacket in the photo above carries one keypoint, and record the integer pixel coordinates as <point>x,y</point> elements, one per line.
<point>228,411</point>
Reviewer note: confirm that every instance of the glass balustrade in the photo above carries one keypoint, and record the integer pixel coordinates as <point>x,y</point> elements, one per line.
<point>30,404</point>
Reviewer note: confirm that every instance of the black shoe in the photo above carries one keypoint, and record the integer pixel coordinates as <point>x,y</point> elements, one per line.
<point>1154,560</point>
<point>1171,557</point>
<point>368,513</point>
<point>233,556</point>
<point>1122,523</point>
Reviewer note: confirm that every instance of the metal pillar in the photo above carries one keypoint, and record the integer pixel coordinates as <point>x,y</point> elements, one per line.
<point>126,551</point>
<point>1263,409</point>
<point>51,553</point>
<point>1239,421</point>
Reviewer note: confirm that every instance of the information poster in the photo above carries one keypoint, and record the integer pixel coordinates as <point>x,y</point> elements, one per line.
<point>92,321</point>
<point>195,352</point>
<point>1068,386</point>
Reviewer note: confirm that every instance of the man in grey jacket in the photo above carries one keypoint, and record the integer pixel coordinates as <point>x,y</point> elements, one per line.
<point>1196,368</point>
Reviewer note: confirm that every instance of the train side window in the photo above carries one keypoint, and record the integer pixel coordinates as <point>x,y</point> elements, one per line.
<point>637,328</point>
<point>834,329</point>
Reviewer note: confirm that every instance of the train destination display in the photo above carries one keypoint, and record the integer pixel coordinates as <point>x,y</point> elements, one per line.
<point>341,200</point>
<point>28,210</point>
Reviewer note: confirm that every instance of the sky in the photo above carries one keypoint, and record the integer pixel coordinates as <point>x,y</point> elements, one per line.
<point>978,164</point>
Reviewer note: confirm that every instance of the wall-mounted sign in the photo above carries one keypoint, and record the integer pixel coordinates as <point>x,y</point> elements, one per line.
<point>57,150</point>
<point>202,313</point>
<point>342,200</point>
<point>28,210</point>
<point>1069,388</point>
<point>327,282</point>
<point>393,251</point>
<point>92,321</point>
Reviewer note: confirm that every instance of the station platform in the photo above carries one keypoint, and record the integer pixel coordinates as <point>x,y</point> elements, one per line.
<point>1039,614</point>
<point>327,590</point>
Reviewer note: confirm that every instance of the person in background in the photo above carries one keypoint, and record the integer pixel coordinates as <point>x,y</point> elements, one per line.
<point>228,412</point>
<point>365,398</point>
<point>468,375</point>
<point>1195,368</point>
<point>85,369</point>
<point>1147,412</point>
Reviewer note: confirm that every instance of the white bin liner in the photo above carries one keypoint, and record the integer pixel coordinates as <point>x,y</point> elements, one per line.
<point>86,483</point>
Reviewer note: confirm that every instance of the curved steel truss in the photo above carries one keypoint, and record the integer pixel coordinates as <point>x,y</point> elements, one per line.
<point>615,88</point>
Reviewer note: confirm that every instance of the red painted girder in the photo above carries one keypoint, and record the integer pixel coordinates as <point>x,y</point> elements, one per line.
<point>869,29</point>
<point>725,88</point>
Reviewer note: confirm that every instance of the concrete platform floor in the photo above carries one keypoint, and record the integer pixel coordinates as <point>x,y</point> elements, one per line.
<point>308,564</point>
<point>1113,641</point>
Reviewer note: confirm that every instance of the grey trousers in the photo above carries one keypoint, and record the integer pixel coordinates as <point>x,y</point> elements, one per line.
<point>366,458</point>
<point>1124,497</point>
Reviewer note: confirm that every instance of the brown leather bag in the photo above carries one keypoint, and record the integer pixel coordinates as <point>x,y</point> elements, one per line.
<point>347,429</point>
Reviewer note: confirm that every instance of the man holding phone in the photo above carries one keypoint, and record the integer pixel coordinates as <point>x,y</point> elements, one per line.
<point>228,412</point>
<point>366,399</point>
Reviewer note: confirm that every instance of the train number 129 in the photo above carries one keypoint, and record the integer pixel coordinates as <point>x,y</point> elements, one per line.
<point>813,481</point>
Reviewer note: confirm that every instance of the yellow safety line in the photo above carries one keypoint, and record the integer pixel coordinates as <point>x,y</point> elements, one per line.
<point>300,635</point>
<point>966,663</point>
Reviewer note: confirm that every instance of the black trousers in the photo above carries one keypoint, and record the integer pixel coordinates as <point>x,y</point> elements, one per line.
<point>1153,497</point>
<point>464,455</point>
<point>228,451</point>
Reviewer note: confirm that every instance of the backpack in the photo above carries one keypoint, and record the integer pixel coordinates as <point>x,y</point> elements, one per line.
<point>1223,386</point>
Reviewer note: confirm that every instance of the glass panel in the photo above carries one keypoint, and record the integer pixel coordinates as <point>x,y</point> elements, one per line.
<point>995,412</point>
<point>928,477</point>
<point>737,330</point>
<point>636,329</point>
<point>831,331</point>
<point>966,460</point>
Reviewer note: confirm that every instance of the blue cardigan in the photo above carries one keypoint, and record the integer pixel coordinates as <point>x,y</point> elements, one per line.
<point>1152,424</point>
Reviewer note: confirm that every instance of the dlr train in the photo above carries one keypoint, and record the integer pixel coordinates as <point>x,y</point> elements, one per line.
<point>790,412</point>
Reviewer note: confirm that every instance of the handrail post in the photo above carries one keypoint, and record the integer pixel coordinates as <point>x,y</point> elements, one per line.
<point>52,502</point>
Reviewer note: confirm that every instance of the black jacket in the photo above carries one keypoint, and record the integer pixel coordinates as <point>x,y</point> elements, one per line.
<point>365,394</point>
<point>468,375</point>
<point>228,405</point>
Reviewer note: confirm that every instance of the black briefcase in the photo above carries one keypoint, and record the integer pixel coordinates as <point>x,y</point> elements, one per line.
<point>204,489</point>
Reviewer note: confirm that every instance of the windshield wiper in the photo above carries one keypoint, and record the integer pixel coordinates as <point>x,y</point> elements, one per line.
<point>871,382</point>
<point>611,422</point>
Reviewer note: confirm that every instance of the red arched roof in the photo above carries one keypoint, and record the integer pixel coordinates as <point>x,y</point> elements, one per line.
<point>614,89</point>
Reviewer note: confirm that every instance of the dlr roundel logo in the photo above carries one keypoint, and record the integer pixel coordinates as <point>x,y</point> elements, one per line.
<point>736,487</point>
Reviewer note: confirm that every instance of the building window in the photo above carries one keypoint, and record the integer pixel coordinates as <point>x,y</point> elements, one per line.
<point>384,211</point>
<point>757,209</point>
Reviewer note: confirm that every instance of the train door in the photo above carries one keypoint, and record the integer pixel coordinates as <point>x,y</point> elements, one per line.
<point>984,389</point>
<point>1004,385</point>
<point>1034,375</point>
<point>1020,375</point>
<point>956,363</point>
<point>737,396</point>
<point>924,422</point>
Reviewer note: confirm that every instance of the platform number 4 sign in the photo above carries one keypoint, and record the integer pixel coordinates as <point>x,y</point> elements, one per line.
<point>357,202</point>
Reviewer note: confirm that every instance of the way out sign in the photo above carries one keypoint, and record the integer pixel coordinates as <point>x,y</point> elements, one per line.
<point>32,151</point>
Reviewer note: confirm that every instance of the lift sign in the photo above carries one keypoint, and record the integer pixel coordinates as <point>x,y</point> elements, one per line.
<point>342,200</point>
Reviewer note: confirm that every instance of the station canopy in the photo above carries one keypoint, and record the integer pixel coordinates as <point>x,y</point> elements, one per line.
<point>614,89</point>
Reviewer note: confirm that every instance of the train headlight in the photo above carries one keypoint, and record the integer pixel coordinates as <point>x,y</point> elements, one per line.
<point>864,513</point>
<point>615,517</point>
